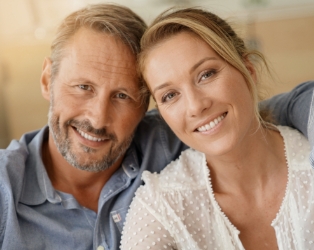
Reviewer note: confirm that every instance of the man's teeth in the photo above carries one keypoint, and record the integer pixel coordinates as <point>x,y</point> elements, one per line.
<point>211,124</point>
<point>88,137</point>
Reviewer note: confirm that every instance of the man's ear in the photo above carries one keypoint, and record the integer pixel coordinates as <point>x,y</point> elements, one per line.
<point>45,80</point>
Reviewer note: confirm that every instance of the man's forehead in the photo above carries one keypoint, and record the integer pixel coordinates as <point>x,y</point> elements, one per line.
<point>88,42</point>
<point>91,48</point>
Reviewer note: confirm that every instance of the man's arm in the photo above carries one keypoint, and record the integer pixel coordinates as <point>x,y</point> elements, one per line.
<point>292,108</point>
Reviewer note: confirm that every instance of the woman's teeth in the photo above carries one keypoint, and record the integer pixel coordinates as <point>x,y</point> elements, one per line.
<point>88,137</point>
<point>212,123</point>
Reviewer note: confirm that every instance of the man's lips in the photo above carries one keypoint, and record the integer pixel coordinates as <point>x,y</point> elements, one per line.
<point>89,137</point>
<point>213,123</point>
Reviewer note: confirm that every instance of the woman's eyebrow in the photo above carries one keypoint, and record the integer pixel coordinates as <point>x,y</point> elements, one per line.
<point>201,62</point>
<point>194,67</point>
<point>160,87</point>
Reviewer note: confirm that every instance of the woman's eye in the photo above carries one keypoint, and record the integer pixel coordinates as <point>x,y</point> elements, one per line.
<point>207,74</point>
<point>122,96</point>
<point>85,87</point>
<point>168,97</point>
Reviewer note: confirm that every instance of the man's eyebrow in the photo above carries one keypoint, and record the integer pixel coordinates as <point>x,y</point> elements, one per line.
<point>195,66</point>
<point>80,81</point>
<point>201,62</point>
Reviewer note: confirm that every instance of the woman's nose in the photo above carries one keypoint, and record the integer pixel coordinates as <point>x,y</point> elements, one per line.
<point>196,102</point>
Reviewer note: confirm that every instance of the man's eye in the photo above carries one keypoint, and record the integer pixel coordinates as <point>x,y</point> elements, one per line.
<point>122,96</point>
<point>85,87</point>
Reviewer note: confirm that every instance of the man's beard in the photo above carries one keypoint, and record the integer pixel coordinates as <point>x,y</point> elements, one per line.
<point>65,145</point>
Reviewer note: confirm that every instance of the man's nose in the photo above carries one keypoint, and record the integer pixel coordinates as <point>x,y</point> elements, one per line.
<point>100,113</point>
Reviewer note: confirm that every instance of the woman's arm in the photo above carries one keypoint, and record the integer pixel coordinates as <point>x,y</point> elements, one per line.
<point>292,108</point>
<point>143,231</point>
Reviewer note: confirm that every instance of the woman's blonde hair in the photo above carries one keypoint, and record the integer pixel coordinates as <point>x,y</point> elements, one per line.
<point>215,31</point>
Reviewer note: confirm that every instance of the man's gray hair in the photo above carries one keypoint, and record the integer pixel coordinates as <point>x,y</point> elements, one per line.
<point>113,19</point>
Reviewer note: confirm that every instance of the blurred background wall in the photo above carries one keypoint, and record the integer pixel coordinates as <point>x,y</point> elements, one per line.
<point>282,29</point>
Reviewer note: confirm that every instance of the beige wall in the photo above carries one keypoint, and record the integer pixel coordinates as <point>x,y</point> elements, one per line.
<point>289,46</point>
<point>25,108</point>
<point>287,43</point>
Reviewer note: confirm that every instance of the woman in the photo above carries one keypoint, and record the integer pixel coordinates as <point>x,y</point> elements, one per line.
<point>244,183</point>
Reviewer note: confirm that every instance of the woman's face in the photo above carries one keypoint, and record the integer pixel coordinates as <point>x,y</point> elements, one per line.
<point>205,100</point>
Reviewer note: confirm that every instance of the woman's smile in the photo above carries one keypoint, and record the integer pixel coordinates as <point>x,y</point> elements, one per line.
<point>210,125</point>
<point>195,93</point>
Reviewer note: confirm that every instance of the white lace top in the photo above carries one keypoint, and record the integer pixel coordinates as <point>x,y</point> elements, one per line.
<point>176,209</point>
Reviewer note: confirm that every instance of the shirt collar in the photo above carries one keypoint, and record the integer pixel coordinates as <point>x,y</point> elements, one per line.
<point>37,187</point>
<point>130,164</point>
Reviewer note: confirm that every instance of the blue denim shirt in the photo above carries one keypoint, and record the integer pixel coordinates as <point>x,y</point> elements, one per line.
<point>33,215</point>
<point>36,216</point>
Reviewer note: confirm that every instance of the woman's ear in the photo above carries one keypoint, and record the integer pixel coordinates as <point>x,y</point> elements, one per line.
<point>251,69</point>
<point>45,80</point>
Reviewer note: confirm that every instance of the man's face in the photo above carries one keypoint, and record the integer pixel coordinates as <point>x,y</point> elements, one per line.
<point>94,101</point>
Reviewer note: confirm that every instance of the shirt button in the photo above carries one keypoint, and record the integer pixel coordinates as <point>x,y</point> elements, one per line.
<point>100,248</point>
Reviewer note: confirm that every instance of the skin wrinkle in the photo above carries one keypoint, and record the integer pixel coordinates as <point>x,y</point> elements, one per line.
<point>92,59</point>
<point>64,146</point>
<point>104,70</point>
<point>86,126</point>
<point>117,71</point>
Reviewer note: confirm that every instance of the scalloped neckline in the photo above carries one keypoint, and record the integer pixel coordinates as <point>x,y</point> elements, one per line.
<point>221,212</point>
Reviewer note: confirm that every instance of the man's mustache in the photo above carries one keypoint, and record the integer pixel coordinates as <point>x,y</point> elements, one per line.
<point>86,126</point>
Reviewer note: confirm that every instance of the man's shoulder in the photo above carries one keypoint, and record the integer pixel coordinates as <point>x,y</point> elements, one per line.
<point>155,139</point>
<point>17,149</point>
<point>12,169</point>
<point>13,159</point>
<point>154,143</point>
<point>153,127</point>
<point>152,119</point>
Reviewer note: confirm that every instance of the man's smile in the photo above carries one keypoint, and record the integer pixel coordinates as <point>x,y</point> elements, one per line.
<point>89,137</point>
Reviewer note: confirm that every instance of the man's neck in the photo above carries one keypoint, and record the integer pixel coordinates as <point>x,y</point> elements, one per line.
<point>83,185</point>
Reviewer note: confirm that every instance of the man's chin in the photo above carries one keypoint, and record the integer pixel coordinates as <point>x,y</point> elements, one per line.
<point>90,159</point>
<point>86,162</point>
<point>90,165</point>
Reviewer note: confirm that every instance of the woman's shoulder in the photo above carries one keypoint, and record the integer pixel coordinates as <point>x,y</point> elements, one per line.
<point>297,148</point>
<point>189,171</point>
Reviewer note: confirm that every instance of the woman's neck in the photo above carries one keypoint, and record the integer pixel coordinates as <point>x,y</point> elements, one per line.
<point>249,167</point>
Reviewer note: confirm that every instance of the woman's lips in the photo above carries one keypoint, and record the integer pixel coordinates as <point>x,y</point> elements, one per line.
<point>210,125</point>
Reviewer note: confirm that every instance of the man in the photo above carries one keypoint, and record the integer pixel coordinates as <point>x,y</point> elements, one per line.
<point>69,186</point>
